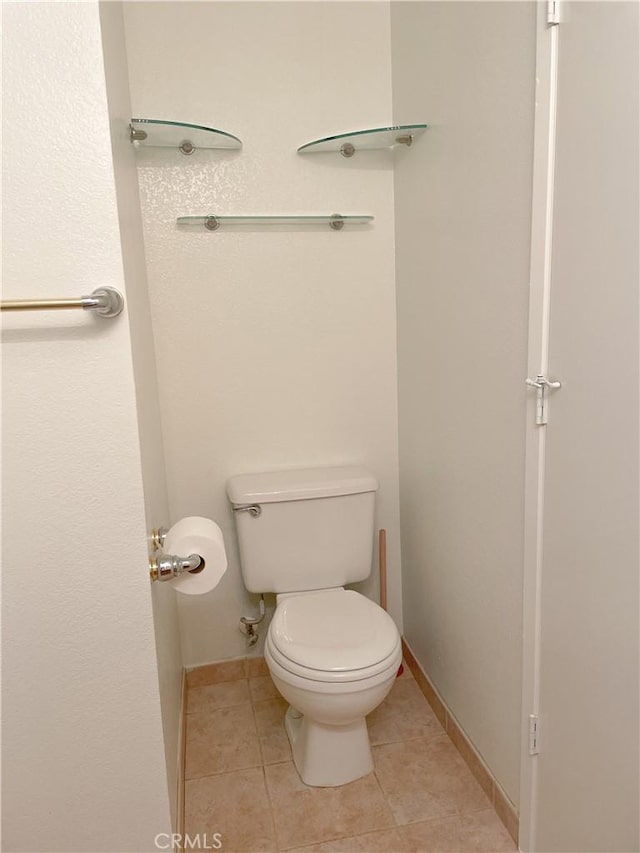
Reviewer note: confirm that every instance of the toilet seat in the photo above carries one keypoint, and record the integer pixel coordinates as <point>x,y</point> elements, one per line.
<point>334,636</point>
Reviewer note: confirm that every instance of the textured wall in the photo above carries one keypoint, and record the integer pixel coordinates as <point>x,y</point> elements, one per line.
<point>83,761</point>
<point>275,347</point>
<point>463,207</point>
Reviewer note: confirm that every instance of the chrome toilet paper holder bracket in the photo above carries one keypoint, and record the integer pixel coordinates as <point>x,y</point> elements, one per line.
<point>165,567</point>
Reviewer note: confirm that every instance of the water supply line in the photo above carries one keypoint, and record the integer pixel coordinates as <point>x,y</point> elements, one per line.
<point>248,624</point>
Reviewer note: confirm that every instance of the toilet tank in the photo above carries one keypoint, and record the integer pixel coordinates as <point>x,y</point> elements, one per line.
<point>313,529</point>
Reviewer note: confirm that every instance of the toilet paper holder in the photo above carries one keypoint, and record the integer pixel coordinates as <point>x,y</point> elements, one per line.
<point>164,567</point>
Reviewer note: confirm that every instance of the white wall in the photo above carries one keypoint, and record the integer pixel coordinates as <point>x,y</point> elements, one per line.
<point>83,761</point>
<point>463,202</point>
<point>275,348</point>
<point>165,610</point>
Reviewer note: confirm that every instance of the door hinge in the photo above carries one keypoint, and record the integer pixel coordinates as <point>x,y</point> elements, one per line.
<point>553,12</point>
<point>542,384</point>
<point>534,734</point>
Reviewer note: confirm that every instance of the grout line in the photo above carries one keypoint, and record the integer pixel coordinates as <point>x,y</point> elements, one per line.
<point>341,838</point>
<point>220,708</point>
<point>224,772</point>
<point>409,739</point>
<point>264,772</point>
<point>280,761</point>
<point>255,723</point>
<point>384,796</point>
<point>271,809</point>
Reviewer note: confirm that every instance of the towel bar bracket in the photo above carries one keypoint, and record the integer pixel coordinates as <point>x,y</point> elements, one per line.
<point>105,301</point>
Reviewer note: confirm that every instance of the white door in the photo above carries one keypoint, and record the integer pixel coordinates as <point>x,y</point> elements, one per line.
<point>82,741</point>
<point>581,790</point>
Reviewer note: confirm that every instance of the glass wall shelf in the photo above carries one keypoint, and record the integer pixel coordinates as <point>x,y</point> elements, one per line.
<point>335,221</point>
<point>377,137</point>
<point>176,134</point>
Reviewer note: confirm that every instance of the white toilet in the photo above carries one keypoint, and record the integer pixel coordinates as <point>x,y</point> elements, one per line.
<point>332,653</point>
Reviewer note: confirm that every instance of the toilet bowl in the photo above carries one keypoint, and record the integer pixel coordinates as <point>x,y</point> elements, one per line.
<point>333,655</point>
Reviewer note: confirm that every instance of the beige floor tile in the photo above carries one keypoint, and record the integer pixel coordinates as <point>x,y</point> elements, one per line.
<point>220,741</point>
<point>235,725</point>
<point>214,696</point>
<point>384,841</point>
<point>404,714</point>
<point>306,815</point>
<point>234,804</point>
<point>477,831</point>
<point>274,742</point>
<point>424,779</point>
<point>262,687</point>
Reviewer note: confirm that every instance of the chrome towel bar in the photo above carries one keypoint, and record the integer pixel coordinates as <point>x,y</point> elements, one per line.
<point>105,301</point>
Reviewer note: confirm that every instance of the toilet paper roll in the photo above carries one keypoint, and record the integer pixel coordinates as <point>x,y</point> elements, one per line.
<point>197,535</point>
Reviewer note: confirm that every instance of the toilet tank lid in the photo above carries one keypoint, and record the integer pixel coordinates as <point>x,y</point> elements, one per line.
<point>299,485</point>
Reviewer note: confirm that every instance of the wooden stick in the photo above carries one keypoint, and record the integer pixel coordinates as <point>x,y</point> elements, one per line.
<point>382,557</point>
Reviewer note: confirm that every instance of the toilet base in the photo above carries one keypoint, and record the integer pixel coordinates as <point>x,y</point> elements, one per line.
<point>328,756</point>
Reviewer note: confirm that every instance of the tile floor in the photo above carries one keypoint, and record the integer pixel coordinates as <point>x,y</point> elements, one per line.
<point>241,782</point>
